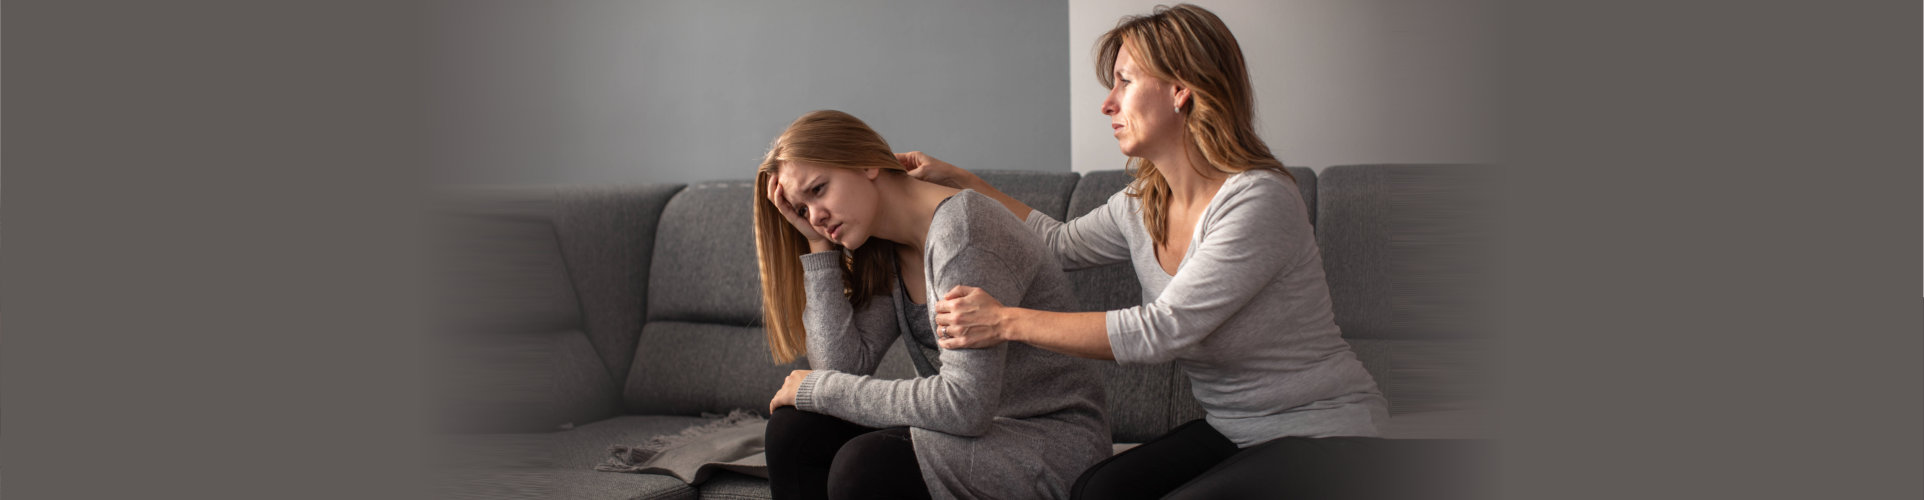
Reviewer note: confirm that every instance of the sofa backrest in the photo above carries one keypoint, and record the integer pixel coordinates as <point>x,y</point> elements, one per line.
<point>540,292</point>
<point>572,304</point>
<point>1407,250</point>
<point>702,349</point>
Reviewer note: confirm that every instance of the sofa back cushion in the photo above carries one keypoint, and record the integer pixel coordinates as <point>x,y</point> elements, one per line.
<point>702,349</point>
<point>539,294</point>
<point>1047,192</point>
<point>704,268</point>
<point>1407,250</point>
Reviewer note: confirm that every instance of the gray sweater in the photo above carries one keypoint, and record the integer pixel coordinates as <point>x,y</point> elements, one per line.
<point>1246,316</point>
<point>1010,421</point>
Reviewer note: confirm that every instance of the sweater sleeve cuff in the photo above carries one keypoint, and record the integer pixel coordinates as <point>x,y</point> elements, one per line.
<point>805,395</point>
<point>822,261</point>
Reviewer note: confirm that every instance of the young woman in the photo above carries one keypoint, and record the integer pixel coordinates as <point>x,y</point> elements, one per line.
<point>1233,281</point>
<point>1004,421</point>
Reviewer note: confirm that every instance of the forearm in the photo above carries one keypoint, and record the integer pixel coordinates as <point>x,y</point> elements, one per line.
<point>1079,334</point>
<point>839,336</point>
<point>959,401</point>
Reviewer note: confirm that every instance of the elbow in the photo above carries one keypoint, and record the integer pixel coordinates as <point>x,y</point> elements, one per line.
<point>1147,356</point>
<point>1154,333</point>
<point>972,424</point>
<point>972,417</point>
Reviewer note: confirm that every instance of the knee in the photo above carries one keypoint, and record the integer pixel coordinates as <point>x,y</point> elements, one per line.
<point>1103,481</point>
<point>786,426</point>
<point>876,465</point>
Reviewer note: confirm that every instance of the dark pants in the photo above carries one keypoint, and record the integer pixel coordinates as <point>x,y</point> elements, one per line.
<point>1195,461</point>
<point>816,456</point>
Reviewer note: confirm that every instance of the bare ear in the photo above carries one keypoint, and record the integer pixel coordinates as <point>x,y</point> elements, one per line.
<point>872,172</point>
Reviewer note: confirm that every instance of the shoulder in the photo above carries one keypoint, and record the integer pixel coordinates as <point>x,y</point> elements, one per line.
<point>972,215</point>
<point>1261,182</point>
<point>1259,198</point>
<point>972,222</point>
<point>1264,187</point>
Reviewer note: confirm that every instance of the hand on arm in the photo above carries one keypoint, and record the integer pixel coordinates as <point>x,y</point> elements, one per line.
<point>926,168</point>
<point>972,319</point>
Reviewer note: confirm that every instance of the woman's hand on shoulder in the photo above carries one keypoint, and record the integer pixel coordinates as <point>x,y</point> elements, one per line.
<point>968,318</point>
<point>926,168</point>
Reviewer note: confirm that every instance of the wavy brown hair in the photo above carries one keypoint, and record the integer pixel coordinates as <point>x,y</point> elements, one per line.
<point>1190,46</point>
<point>830,138</point>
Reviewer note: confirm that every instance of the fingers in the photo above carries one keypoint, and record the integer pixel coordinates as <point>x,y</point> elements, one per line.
<point>775,197</point>
<point>958,338</point>
<point>957,292</point>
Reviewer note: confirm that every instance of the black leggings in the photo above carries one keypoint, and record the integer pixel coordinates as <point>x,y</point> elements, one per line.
<point>1195,461</point>
<point>816,456</point>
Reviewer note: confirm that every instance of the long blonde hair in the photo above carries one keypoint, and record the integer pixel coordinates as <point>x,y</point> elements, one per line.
<point>830,138</point>
<point>1192,47</point>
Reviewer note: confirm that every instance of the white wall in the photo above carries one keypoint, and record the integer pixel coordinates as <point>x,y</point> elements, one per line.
<point>1336,81</point>
<point>688,90</point>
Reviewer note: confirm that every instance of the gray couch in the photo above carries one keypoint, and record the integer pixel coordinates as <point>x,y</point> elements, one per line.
<point>575,317</point>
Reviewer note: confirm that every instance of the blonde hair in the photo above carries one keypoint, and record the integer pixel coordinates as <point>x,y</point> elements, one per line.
<point>1192,47</point>
<point>830,138</point>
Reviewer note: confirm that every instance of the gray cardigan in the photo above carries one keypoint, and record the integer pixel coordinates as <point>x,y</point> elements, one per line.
<point>1011,421</point>
<point>1247,315</point>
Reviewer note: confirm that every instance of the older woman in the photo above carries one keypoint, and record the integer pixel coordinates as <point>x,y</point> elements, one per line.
<point>1222,244</point>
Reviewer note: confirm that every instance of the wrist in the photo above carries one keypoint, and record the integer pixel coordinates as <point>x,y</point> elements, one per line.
<point>815,246</point>
<point>1008,320</point>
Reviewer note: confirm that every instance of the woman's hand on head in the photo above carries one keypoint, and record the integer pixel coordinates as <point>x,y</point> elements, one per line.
<point>786,396</point>
<point>968,318</point>
<point>926,168</point>
<point>815,239</point>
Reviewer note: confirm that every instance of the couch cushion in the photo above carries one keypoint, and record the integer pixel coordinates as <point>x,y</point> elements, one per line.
<point>1306,185</point>
<point>694,368</point>
<point>704,267</point>
<point>555,465</point>
<point>1044,191</point>
<point>607,234</point>
<point>510,348</point>
<point>497,265</point>
<point>1407,250</point>
<point>725,485</point>
<point>580,449</point>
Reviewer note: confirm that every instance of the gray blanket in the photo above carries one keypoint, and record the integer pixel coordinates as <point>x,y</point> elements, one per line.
<point>732,443</point>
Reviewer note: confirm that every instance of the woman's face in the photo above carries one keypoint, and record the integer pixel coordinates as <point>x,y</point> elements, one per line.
<point>1142,109</point>
<point>840,203</point>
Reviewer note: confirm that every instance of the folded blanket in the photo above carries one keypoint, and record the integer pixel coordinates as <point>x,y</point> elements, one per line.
<point>732,442</point>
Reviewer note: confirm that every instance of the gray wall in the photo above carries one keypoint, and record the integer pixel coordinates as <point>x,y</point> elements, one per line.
<point>685,91</point>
